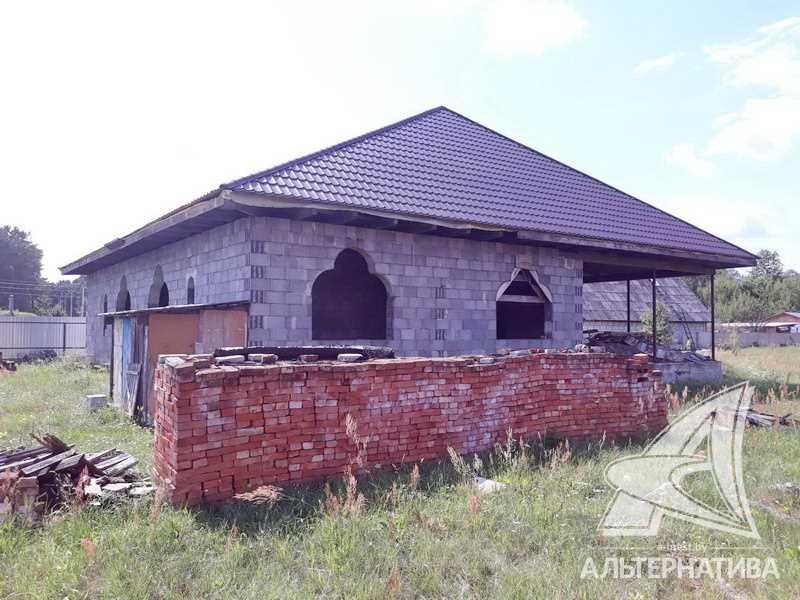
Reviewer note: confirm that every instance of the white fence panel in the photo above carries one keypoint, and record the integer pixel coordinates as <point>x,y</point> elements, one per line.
<point>22,335</point>
<point>745,339</point>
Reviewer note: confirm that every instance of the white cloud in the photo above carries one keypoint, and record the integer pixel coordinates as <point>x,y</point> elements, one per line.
<point>765,128</point>
<point>752,229</point>
<point>530,27</point>
<point>686,156</point>
<point>657,64</point>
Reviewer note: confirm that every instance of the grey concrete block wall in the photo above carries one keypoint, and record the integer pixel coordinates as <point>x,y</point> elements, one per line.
<point>277,272</point>
<point>412,267</point>
<point>216,259</point>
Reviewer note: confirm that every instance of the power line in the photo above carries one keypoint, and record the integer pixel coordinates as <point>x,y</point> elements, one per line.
<point>59,284</point>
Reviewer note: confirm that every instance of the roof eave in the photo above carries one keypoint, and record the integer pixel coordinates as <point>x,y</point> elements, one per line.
<point>201,214</point>
<point>224,205</point>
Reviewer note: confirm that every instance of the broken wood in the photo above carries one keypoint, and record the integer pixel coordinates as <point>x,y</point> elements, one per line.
<point>32,479</point>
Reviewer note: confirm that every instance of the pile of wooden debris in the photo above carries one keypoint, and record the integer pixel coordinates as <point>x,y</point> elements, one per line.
<point>35,480</point>
<point>636,342</point>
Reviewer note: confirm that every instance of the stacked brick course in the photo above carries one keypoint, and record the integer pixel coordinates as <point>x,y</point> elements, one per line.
<point>227,429</point>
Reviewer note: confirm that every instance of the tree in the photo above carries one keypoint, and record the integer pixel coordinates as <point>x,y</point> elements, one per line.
<point>664,333</point>
<point>20,261</point>
<point>769,265</point>
<point>45,306</point>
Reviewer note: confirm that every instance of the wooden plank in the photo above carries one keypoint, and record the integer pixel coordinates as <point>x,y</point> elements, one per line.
<point>68,463</point>
<point>37,468</point>
<point>122,466</point>
<point>132,387</point>
<point>12,456</point>
<point>96,457</point>
<point>19,464</point>
<point>111,461</point>
<point>52,443</point>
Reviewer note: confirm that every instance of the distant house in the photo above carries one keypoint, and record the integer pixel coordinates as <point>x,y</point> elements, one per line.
<point>605,308</point>
<point>784,318</point>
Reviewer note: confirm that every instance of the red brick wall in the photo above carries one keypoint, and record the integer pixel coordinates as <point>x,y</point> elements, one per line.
<point>226,429</point>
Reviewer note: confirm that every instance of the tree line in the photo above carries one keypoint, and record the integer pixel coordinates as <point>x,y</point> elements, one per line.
<point>751,296</point>
<point>22,284</point>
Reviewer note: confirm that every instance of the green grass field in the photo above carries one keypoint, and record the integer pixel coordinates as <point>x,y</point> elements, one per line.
<point>432,539</point>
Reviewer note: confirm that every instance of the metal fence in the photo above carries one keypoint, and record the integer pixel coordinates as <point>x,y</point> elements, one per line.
<point>23,335</point>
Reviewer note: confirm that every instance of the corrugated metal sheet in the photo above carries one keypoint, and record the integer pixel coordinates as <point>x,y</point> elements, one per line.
<point>21,335</point>
<point>607,301</point>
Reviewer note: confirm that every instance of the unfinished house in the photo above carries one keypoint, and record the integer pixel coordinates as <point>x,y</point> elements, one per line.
<point>435,236</point>
<point>606,308</point>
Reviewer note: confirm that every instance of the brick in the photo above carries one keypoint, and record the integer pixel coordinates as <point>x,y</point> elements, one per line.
<point>293,428</point>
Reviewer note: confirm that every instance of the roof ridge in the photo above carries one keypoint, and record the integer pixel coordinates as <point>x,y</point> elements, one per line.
<point>576,170</point>
<point>334,148</point>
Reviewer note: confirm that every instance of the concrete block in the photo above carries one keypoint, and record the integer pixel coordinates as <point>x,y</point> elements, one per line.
<point>349,358</point>
<point>263,359</point>
<point>230,360</point>
<point>173,360</point>
<point>487,486</point>
<point>96,401</point>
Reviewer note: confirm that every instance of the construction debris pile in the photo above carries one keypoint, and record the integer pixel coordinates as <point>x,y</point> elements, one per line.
<point>43,478</point>
<point>630,343</point>
<point>7,365</point>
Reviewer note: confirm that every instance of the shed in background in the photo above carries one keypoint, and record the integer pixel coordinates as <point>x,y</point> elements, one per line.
<point>139,336</point>
<point>605,308</point>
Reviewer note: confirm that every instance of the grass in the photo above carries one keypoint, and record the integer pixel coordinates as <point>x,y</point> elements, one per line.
<point>434,539</point>
<point>764,367</point>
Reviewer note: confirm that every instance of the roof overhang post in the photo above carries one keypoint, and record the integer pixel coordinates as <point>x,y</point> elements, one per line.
<point>653,286</point>
<point>628,304</point>
<point>713,317</point>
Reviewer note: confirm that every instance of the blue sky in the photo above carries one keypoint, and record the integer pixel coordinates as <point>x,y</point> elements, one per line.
<point>113,115</point>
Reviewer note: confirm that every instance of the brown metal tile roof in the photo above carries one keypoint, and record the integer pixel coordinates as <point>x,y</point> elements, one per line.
<point>442,165</point>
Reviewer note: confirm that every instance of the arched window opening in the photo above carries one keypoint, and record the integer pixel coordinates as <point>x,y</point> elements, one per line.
<point>190,291</point>
<point>123,296</point>
<point>159,294</point>
<point>348,302</point>
<point>523,308</point>
<point>163,295</point>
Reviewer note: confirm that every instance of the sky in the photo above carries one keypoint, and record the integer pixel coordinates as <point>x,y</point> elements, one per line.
<point>112,114</point>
